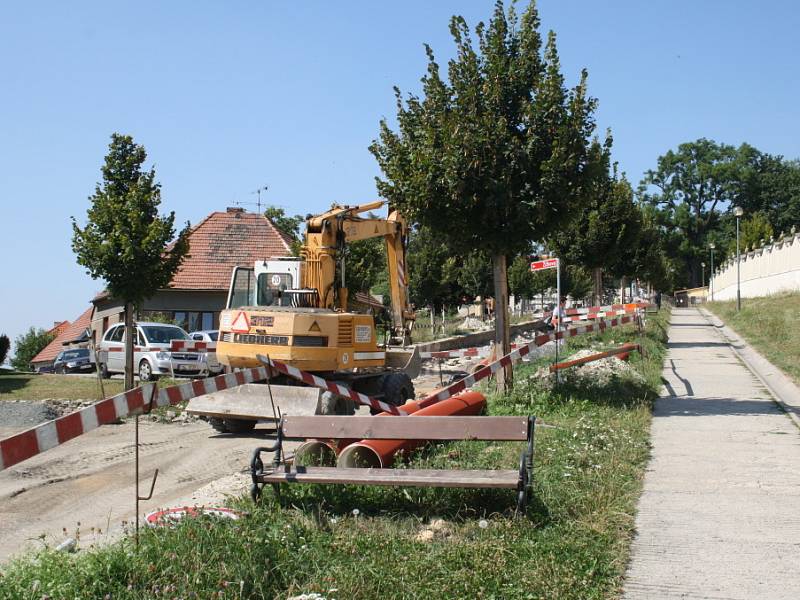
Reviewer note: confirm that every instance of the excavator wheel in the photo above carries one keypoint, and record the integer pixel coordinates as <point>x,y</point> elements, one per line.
<point>397,388</point>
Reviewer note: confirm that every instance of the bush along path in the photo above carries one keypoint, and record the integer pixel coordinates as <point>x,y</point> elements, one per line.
<point>369,542</point>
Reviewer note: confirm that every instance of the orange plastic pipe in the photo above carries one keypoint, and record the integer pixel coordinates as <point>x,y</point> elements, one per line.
<point>381,453</point>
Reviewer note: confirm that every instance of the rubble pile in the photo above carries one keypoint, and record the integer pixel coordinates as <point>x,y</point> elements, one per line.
<point>598,373</point>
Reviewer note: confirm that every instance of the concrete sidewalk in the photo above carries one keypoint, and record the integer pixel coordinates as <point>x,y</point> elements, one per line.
<point>720,513</point>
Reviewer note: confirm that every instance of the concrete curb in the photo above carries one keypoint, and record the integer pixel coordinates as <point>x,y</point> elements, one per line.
<point>784,391</point>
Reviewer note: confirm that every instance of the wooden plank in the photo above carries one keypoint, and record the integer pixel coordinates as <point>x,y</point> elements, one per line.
<point>397,477</point>
<point>407,428</point>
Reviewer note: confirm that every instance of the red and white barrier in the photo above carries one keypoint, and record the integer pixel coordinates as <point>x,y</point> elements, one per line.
<point>192,346</point>
<point>515,356</point>
<point>598,315</point>
<point>36,440</point>
<point>330,386</point>
<point>50,434</point>
<point>41,438</point>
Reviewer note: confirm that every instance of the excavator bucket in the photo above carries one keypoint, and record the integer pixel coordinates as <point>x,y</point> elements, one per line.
<point>251,402</point>
<point>405,359</point>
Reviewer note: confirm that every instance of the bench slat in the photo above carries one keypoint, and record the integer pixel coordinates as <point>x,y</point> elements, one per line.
<point>397,477</point>
<point>514,429</point>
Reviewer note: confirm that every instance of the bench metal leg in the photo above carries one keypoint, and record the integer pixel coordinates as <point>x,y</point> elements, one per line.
<point>257,465</point>
<point>525,485</point>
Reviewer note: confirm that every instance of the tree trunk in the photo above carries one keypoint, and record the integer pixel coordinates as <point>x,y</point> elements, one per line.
<point>130,336</point>
<point>597,286</point>
<point>622,290</point>
<point>501,332</point>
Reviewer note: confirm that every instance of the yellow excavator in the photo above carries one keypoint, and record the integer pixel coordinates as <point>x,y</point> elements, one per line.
<point>291,310</point>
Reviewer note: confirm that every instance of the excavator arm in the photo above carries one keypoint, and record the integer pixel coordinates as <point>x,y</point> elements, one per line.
<point>326,236</point>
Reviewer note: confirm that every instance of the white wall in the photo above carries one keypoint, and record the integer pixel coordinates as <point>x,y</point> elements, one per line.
<point>769,270</point>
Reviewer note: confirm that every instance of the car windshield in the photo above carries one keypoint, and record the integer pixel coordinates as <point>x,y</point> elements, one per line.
<point>77,353</point>
<point>213,335</point>
<point>162,334</point>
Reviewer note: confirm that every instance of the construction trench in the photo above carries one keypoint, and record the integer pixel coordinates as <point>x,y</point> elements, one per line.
<point>84,488</point>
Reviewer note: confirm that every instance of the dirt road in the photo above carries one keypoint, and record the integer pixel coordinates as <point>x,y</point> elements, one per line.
<point>90,481</point>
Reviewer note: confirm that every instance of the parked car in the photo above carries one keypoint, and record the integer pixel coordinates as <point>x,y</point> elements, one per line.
<point>74,360</point>
<point>152,357</point>
<point>211,336</point>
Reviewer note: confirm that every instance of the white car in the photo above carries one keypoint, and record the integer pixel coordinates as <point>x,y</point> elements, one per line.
<point>211,336</point>
<point>152,356</point>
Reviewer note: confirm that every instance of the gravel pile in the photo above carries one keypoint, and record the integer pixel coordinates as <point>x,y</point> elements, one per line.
<point>20,413</point>
<point>598,373</point>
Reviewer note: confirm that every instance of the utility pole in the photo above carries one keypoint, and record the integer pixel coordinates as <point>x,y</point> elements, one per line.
<point>738,212</point>
<point>711,275</point>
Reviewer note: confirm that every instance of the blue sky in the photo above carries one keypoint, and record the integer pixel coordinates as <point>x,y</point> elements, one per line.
<point>228,97</point>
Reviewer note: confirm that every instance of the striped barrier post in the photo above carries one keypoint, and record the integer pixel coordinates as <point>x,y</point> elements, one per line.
<point>330,386</point>
<point>192,346</point>
<point>33,441</point>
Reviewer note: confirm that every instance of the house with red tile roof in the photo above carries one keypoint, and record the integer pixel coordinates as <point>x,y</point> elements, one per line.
<point>68,335</point>
<point>199,290</point>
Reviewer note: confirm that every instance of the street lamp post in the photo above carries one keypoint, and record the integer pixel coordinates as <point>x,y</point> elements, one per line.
<point>702,274</point>
<point>738,212</point>
<point>711,274</point>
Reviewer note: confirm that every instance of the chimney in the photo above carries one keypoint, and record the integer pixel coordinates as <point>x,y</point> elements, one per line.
<point>235,209</point>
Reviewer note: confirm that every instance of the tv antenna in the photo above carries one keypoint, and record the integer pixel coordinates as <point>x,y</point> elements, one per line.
<point>257,203</point>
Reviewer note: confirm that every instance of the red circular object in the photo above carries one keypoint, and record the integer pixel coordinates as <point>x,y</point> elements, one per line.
<point>173,516</point>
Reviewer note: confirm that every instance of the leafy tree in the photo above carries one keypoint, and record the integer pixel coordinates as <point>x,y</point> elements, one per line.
<point>432,276</point>
<point>605,231</point>
<point>754,232</point>
<point>693,185</point>
<point>576,281</point>
<point>494,156</point>
<point>527,284</point>
<point>125,241</point>
<point>5,344</point>
<point>28,345</point>
<point>365,265</point>
<point>472,273</point>
<point>289,226</point>
<point>769,185</point>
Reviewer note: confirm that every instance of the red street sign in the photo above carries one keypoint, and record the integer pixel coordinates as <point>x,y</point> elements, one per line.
<point>550,263</point>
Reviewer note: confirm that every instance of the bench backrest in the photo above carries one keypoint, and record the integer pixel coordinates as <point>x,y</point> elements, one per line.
<point>406,428</point>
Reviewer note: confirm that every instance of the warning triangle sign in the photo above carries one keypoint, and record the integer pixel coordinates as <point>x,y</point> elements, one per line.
<point>240,323</point>
<point>314,327</point>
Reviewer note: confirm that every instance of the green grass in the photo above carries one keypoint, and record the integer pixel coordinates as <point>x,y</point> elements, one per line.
<point>770,324</point>
<point>31,386</point>
<point>573,542</point>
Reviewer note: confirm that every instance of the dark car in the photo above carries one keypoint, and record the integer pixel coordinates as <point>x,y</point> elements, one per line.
<point>75,360</point>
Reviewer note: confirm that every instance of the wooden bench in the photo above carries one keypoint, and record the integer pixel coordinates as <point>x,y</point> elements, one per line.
<point>282,470</point>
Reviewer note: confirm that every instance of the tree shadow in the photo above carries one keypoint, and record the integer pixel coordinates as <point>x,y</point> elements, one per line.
<point>691,406</point>
<point>10,382</point>
<point>453,504</point>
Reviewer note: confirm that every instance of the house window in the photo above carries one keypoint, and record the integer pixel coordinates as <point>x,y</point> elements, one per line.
<point>189,320</point>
